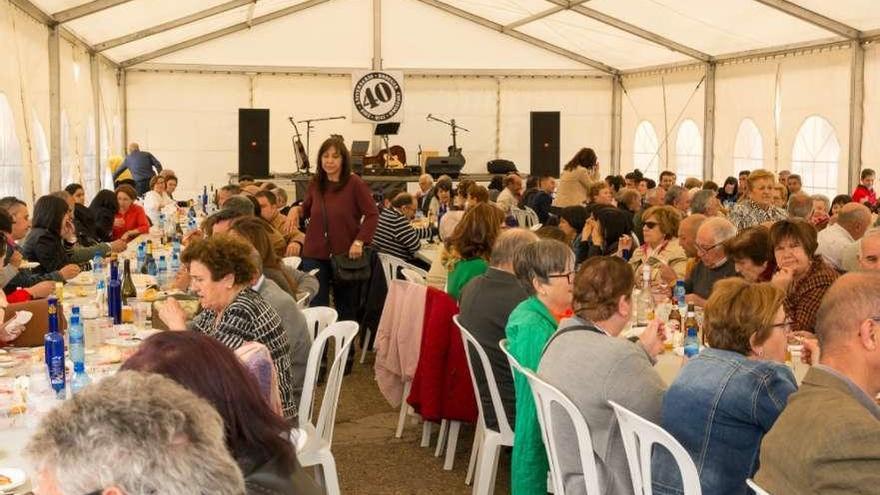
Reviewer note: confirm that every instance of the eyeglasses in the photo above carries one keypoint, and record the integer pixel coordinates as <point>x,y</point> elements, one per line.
<point>705,249</point>
<point>785,325</point>
<point>650,225</point>
<point>567,276</point>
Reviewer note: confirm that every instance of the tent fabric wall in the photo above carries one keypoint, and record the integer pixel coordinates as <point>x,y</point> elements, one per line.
<point>643,100</point>
<point>77,154</point>
<point>871,131</point>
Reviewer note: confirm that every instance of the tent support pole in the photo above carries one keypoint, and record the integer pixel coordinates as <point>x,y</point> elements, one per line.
<point>55,108</point>
<point>377,34</point>
<point>96,111</point>
<point>856,112</point>
<point>616,122</point>
<point>122,85</point>
<point>709,123</point>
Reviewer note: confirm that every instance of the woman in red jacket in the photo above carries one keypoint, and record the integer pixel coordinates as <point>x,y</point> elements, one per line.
<point>131,220</point>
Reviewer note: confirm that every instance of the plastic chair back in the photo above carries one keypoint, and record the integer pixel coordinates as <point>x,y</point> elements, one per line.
<point>639,436</point>
<point>754,486</point>
<point>413,275</point>
<point>319,318</point>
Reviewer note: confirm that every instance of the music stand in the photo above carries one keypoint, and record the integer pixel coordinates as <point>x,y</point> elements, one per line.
<point>384,130</point>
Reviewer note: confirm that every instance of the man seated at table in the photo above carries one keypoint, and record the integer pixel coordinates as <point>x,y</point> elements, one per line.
<point>269,211</point>
<point>395,234</point>
<point>226,192</point>
<point>853,221</point>
<point>541,199</point>
<point>510,195</point>
<point>713,264</point>
<point>590,364</point>
<point>827,440</point>
<point>486,303</point>
<point>133,433</point>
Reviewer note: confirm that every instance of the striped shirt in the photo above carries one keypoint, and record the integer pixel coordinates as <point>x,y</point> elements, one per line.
<point>249,318</point>
<point>396,236</point>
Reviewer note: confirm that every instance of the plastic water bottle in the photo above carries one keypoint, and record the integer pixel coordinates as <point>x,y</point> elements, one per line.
<point>175,245</point>
<point>141,255</point>
<point>53,344</point>
<point>162,271</point>
<point>645,303</point>
<point>679,295</point>
<point>101,300</point>
<point>691,342</point>
<point>76,335</point>
<point>98,267</point>
<point>175,263</point>
<point>162,222</point>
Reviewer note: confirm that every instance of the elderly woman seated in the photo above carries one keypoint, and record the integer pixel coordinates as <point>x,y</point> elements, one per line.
<point>802,274</point>
<point>661,249</point>
<point>758,208</point>
<point>732,392</point>
<point>221,272</point>
<point>752,254</point>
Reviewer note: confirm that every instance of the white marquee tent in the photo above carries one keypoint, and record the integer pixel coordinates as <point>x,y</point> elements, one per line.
<point>701,87</point>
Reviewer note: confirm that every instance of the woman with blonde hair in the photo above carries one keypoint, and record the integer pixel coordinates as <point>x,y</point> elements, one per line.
<point>732,392</point>
<point>758,207</point>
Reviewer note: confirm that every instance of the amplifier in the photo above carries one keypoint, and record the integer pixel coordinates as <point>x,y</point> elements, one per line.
<point>444,165</point>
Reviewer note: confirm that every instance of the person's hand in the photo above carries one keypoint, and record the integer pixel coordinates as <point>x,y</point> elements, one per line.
<point>131,234</point>
<point>16,259</point>
<point>587,231</point>
<point>118,222</point>
<point>42,289</point>
<point>172,314</point>
<point>783,278</point>
<point>68,231</point>
<point>625,242</point>
<point>356,250</point>
<point>667,274</point>
<point>181,280</point>
<point>653,337</point>
<point>695,300</point>
<point>118,245</point>
<point>810,354</point>
<point>10,330</point>
<point>195,235</point>
<point>293,249</point>
<point>293,218</point>
<point>69,271</point>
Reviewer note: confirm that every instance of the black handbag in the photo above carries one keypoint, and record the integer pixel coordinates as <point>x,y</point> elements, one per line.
<point>345,269</point>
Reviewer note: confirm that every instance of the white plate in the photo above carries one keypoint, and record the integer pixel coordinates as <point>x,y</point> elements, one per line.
<point>23,317</point>
<point>30,265</point>
<point>84,278</point>
<point>142,279</point>
<point>16,476</point>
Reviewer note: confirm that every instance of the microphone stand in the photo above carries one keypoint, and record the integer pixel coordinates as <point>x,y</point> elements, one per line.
<point>454,150</point>
<point>309,127</point>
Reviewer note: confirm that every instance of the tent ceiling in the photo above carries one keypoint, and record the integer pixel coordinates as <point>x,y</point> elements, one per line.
<point>620,34</point>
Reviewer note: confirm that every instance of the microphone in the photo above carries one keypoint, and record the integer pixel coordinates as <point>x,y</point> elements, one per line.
<point>428,117</point>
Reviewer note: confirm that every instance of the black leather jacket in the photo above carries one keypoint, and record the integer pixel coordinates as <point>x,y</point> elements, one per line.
<point>275,477</point>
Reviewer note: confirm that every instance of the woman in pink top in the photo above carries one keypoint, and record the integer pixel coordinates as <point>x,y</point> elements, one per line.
<point>340,203</point>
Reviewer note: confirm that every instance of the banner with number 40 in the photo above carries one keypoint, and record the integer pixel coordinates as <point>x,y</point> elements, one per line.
<point>377,96</point>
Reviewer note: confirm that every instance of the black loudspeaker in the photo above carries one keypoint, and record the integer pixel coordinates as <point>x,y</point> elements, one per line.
<point>545,143</point>
<point>444,165</point>
<point>500,166</point>
<point>253,142</point>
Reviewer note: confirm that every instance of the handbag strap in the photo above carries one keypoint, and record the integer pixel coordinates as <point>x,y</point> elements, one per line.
<point>324,221</point>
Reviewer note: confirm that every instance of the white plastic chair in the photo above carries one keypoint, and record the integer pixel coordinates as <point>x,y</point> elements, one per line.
<point>525,217</point>
<point>316,451</point>
<point>292,262</point>
<point>487,443</point>
<point>319,318</point>
<point>754,486</point>
<point>547,400</point>
<point>302,300</point>
<point>390,265</point>
<point>639,436</point>
<point>414,276</point>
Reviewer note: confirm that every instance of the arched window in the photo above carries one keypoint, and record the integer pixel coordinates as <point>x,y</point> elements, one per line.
<point>90,162</point>
<point>67,153</point>
<point>748,149</point>
<point>41,146</point>
<point>816,155</point>
<point>689,151</point>
<point>645,150</point>
<point>10,153</point>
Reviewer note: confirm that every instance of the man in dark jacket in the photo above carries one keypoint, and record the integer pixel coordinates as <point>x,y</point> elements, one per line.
<point>143,166</point>
<point>541,199</point>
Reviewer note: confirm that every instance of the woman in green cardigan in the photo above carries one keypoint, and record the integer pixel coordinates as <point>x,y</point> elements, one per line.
<point>546,270</point>
<point>471,244</point>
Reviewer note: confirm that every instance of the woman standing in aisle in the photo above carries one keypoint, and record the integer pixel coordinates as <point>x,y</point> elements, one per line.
<point>343,218</point>
<point>576,178</point>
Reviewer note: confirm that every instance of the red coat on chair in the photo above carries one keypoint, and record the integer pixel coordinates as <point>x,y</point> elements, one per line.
<point>442,387</point>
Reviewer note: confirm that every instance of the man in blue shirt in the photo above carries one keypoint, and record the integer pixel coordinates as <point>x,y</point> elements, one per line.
<point>143,166</point>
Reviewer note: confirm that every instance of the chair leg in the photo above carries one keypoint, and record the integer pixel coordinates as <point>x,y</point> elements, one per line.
<point>475,453</point>
<point>331,479</point>
<point>404,408</point>
<point>441,437</point>
<point>487,467</point>
<point>366,347</point>
<point>426,434</point>
<point>451,444</point>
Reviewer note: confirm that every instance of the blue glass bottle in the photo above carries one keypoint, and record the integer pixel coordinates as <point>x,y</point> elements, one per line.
<point>76,336</point>
<point>53,344</point>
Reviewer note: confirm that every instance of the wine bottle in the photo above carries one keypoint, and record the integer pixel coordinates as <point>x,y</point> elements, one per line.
<point>128,289</point>
<point>114,294</point>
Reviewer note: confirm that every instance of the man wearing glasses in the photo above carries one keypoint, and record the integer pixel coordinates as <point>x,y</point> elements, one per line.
<point>827,440</point>
<point>713,264</point>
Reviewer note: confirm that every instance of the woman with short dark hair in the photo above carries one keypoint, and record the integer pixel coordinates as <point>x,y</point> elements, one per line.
<point>52,223</point>
<point>752,254</point>
<point>732,392</point>
<point>104,207</point>
<point>131,219</point>
<point>545,269</point>
<point>803,275</point>
<point>221,272</point>
<point>83,218</point>
<point>256,437</point>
